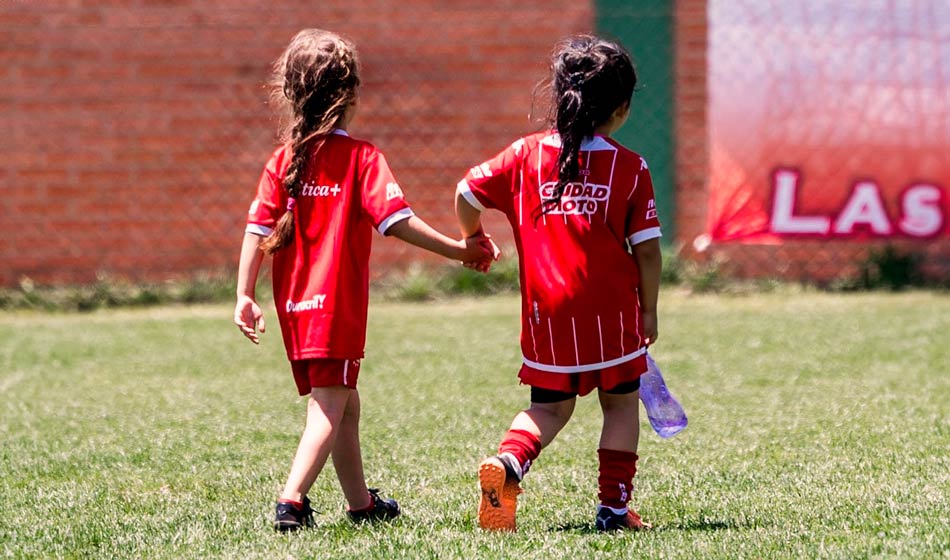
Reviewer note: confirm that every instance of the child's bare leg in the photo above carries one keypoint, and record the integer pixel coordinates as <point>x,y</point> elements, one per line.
<point>499,476</point>
<point>621,429</point>
<point>324,413</point>
<point>531,431</point>
<point>544,420</point>
<point>347,458</point>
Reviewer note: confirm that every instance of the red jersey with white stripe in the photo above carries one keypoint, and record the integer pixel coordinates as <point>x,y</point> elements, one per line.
<point>321,279</point>
<point>580,310</point>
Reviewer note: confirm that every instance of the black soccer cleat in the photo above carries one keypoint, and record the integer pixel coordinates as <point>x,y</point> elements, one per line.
<point>381,510</point>
<point>290,518</point>
<point>512,467</point>
<point>608,520</point>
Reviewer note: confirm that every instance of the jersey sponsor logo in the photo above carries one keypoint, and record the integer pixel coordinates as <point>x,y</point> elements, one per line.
<point>309,189</point>
<point>578,198</point>
<point>651,210</point>
<point>481,171</point>
<point>393,191</point>
<point>316,302</point>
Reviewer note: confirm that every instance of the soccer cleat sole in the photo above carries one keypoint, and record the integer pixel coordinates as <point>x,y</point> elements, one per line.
<point>499,501</point>
<point>287,526</point>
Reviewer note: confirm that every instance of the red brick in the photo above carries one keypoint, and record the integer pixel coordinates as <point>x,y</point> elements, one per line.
<point>168,121</point>
<point>19,17</point>
<point>41,175</point>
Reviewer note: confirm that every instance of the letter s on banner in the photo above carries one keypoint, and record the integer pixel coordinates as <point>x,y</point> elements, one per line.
<point>921,215</point>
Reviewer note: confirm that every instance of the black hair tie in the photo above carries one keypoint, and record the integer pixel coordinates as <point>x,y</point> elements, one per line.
<point>576,79</point>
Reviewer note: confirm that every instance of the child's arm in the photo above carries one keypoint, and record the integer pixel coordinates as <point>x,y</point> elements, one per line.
<point>650,263</point>
<point>247,314</point>
<point>470,223</point>
<point>469,217</point>
<point>416,232</point>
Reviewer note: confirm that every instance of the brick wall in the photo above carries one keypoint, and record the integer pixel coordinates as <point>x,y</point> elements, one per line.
<point>133,133</point>
<point>692,157</point>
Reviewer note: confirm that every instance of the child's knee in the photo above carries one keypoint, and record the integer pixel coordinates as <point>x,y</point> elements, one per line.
<point>327,402</point>
<point>611,402</point>
<point>561,410</point>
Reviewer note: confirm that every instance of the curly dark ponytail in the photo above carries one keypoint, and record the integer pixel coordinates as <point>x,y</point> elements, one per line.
<point>315,80</point>
<point>590,78</point>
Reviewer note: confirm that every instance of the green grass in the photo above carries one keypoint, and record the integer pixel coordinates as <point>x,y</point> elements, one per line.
<point>819,427</point>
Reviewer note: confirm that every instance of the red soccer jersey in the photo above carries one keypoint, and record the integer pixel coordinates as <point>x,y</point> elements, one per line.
<point>580,310</point>
<point>321,280</point>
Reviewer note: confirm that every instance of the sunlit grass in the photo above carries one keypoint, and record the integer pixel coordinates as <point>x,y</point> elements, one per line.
<point>819,427</point>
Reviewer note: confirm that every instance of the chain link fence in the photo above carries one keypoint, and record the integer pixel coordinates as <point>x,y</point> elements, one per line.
<point>135,132</point>
<point>829,125</point>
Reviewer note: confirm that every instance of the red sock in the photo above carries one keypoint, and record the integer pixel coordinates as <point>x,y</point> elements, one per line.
<point>525,446</point>
<point>298,505</point>
<point>617,469</point>
<point>372,504</point>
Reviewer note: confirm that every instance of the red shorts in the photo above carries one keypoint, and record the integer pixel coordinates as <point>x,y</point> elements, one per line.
<point>584,382</point>
<point>324,372</point>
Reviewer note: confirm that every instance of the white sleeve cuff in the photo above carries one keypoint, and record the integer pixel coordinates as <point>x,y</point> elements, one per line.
<point>645,235</point>
<point>396,216</point>
<point>466,191</point>
<point>258,229</point>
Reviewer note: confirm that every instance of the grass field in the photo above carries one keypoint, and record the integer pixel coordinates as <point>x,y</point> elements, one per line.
<point>819,427</point>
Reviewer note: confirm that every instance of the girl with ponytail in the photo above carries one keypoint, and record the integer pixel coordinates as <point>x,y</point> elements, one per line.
<point>318,200</point>
<point>584,219</point>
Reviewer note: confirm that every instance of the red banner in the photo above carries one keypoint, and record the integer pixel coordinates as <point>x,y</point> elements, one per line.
<point>828,121</point>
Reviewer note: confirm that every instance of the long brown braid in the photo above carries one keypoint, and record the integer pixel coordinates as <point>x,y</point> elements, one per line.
<point>315,80</point>
<point>590,78</point>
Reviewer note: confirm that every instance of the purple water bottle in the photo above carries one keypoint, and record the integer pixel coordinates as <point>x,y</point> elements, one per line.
<point>664,411</point>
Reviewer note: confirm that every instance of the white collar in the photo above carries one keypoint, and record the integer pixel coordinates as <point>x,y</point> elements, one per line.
<point>590,144</point>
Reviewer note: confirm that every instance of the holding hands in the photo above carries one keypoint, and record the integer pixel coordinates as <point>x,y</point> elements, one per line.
<point>480,252</point>
<point>476,251</point>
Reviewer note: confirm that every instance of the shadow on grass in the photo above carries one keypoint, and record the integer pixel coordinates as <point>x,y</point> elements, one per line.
<point>697,525</point>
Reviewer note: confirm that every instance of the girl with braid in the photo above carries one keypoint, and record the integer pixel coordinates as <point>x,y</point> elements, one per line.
<point>319,198</point>
<point>584,220</point>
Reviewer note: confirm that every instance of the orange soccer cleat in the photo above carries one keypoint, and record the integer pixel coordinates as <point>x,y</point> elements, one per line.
<point>499,503</point>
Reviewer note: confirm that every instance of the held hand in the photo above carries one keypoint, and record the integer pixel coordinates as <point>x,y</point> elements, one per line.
<point>249,318</point>
<point>482,266</point>
<point>479,252</point>
<point>650,333</point>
